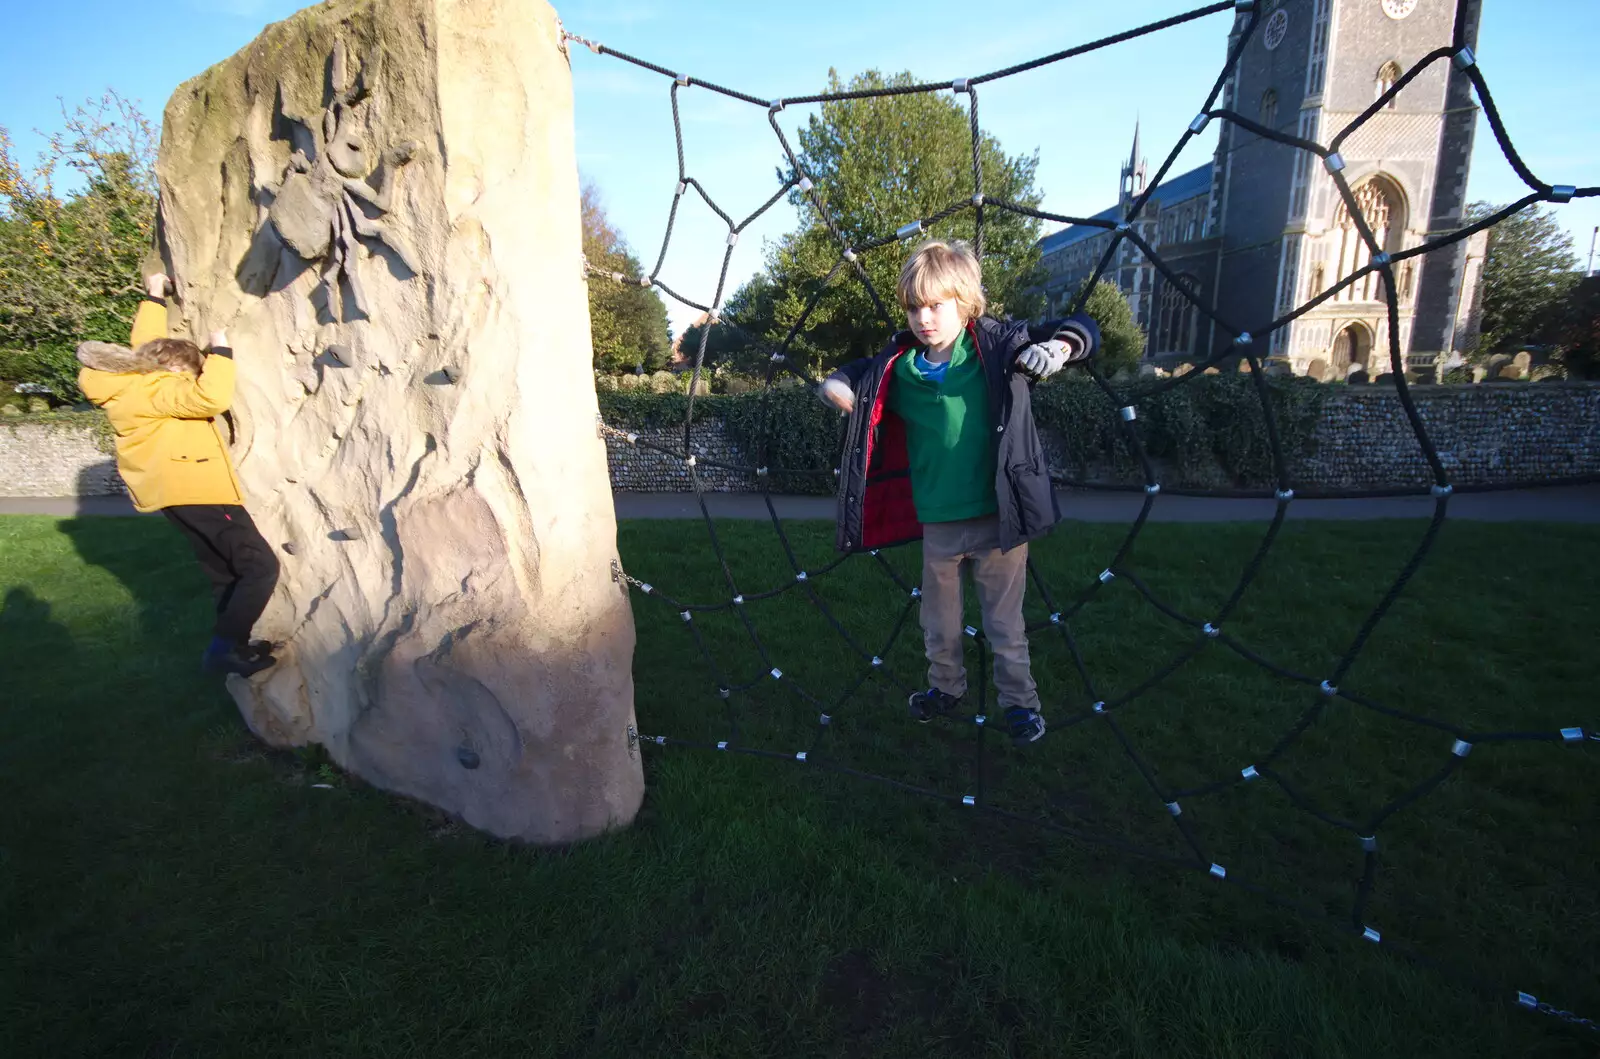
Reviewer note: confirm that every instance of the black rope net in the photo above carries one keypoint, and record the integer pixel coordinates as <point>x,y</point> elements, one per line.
<point>1201,633</point>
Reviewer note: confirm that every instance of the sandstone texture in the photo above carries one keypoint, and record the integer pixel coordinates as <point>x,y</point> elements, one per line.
<point>378,199</point>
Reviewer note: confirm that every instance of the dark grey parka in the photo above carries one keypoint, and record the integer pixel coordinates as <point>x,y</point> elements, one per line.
<point>875,507</point>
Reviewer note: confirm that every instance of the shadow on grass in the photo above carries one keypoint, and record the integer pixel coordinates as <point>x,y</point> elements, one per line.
<point>28,631</point>
<point>170,594</point>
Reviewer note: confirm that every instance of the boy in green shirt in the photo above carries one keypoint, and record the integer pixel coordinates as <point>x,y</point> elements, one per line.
<point>942,446</point>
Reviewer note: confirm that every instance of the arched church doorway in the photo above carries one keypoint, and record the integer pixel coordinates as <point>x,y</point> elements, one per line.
<point>1352,346</point>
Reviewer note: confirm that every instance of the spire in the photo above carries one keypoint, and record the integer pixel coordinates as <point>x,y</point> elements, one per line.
<point>1133,174</point>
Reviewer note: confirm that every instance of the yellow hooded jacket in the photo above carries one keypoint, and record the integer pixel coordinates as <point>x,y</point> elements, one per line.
<point>170,450</point>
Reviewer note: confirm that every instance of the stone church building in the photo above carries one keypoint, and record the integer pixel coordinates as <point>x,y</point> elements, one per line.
<point>1261,228</point>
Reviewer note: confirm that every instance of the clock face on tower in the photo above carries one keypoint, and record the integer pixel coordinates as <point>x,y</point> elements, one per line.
<point>1399,8</point>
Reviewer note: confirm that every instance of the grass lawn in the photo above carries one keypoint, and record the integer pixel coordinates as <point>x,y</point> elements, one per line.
<point>169,887</point>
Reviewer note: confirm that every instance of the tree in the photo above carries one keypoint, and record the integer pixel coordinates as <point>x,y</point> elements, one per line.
<point>1580,331</point>
<point>880,163</point>
<point>741,346</point>
<point>70,260</point>
<point>627,323</point>
<point>1528,274</point>
<point>1121,340</point>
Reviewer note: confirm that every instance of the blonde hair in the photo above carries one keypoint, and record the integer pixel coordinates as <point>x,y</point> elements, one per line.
<point>174,354</point>
<point>938,270</point>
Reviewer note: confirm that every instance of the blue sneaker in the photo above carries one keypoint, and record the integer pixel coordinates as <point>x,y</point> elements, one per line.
<point>1026,725</point>
<point>926,705</point>
<point>223,656</point>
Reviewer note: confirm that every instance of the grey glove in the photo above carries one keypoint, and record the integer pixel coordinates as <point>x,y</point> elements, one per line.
<point>836,394</point>
<point>1043,360</point>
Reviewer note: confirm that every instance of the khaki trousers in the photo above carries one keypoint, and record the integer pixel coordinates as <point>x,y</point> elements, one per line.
<point>1001,578</point>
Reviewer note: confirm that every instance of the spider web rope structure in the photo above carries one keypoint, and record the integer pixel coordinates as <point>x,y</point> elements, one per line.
<point>1206,632</point>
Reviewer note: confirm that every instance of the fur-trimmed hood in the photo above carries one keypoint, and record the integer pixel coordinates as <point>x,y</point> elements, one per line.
<point>117,360</point>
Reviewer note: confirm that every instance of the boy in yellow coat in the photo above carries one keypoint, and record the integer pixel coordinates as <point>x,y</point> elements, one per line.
<point>163,397</point>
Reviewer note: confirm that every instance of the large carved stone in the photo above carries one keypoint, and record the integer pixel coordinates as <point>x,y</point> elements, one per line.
<point>379,201</point>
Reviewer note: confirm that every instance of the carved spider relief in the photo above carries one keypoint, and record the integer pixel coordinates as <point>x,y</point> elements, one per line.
<point>319,206</point>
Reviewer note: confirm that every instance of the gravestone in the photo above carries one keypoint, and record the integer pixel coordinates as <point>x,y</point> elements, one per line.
<point>379,202</point>
<point>1318,369</point>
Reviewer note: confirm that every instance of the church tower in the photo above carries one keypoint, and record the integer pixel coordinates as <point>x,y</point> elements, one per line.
<point>1286,236</point>
<point>1132,273</point>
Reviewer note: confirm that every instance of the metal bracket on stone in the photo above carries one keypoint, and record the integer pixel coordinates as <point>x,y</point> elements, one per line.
<point>633,741</point>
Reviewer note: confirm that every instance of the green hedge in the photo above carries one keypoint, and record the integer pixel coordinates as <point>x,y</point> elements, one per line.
<point>1207,432</point>
<point>786,429</point>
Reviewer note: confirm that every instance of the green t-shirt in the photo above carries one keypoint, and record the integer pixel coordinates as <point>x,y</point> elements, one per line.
<point>948,434</point>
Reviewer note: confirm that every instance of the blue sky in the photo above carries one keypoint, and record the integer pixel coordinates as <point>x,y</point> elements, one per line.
<point>1079,114</point>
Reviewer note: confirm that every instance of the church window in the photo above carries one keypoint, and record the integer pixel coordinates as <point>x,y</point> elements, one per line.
<point>1317,69</point>
<point>1380,203</point>
<point>1302,166</point>
<point>1269,108</point>
<point>1319,280</point>
<point>1407,279</point>
<point>1175,325</point>
<point>1388,76</point>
